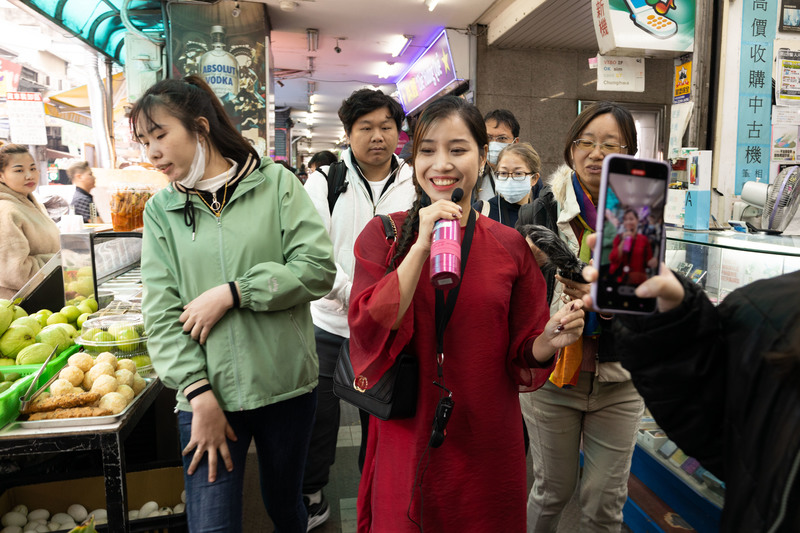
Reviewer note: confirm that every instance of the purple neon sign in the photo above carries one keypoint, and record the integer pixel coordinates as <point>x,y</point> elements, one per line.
<point>428,75</point>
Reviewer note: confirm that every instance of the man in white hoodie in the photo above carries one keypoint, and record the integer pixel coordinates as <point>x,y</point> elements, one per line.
<point>377,182</point>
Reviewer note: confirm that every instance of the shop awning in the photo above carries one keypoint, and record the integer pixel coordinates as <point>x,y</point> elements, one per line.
<point>98,23</point>
<point>73,104</point>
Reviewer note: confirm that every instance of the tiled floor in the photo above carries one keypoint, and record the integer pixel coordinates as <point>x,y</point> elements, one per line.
<point>342,490</point>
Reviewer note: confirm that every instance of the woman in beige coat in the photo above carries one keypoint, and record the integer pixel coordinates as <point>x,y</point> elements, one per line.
<point>28,237</point>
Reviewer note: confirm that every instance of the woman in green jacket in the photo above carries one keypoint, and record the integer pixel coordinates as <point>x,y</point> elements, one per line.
<point>232,254</point>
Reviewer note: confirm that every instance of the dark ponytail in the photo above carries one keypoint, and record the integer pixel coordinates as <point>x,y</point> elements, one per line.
<point>189,99</point>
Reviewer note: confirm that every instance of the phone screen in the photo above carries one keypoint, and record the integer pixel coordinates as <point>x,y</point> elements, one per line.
<point>630,244</point>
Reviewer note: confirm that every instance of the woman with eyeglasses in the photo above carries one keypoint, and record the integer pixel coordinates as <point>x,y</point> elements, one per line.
<point>516,175</point>
<point>589,403</point>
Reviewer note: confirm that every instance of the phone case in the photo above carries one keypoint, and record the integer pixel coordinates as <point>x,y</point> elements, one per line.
<point>598,249</point>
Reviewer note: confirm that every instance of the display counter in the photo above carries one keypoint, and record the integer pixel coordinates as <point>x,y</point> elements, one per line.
<point>108,439</point>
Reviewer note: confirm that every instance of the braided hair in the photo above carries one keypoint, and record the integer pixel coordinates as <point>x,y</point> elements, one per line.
<point>438,110</point>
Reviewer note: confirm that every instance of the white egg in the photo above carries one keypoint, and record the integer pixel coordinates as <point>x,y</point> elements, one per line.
<point>77,512</point>
<point>183,496</point>
<point>11,529</point>
<point>148,509</point>
<point>133,515</point>
<point>22,509</point>
<point>13,518</point>
<point>99,514</point>
<point>181,507</point>
<point>62,518</point>
<point>39,514</point>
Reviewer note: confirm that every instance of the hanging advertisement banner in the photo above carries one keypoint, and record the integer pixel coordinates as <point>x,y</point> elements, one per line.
<point>26,118</point>
<point>639,26</point>
<point>9,76</point>
<point>432,72</point>
<point>682,91</point>
<point>225,44</point>
<point>753,140</point>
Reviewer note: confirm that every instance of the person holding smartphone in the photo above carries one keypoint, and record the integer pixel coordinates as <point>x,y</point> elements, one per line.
<point>724,383</point>
<point>589,402</point>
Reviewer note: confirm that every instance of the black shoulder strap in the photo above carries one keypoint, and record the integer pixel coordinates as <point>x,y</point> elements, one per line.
<point>391,233</point>
<point>337,182</point>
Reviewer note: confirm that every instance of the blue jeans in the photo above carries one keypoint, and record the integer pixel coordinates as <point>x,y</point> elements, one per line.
<point>281,432</point>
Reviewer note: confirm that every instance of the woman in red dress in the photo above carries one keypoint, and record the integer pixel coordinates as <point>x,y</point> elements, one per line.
<point>631,253</point>
<point>500,340</point>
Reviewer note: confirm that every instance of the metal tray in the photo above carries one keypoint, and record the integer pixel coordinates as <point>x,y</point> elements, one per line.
<point>83,421</point>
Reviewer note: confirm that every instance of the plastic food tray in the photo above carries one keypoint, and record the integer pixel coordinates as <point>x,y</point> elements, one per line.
<point>9,400</point>
<point>109,323</point>
<point>84,421</point>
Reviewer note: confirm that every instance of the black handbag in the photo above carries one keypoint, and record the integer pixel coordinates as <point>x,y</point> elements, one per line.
<point>395,394</point>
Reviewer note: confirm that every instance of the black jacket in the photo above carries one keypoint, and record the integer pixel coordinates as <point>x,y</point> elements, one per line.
<point>543,211</point>
<point>705,375</point>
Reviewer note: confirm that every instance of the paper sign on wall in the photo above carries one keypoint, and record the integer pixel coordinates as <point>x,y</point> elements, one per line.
<point>26,118</point>
<point>616,73</point>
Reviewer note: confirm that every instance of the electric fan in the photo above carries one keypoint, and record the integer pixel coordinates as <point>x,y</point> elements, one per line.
<point>783,198</point>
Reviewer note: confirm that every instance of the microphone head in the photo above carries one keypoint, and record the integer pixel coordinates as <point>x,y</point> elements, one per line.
<point>458,194</point>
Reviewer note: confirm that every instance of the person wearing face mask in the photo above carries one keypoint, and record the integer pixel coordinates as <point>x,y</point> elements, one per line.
<point>232,254</point>
<point>502,129</point>
<point>516,175</point>
<point>29,237</point>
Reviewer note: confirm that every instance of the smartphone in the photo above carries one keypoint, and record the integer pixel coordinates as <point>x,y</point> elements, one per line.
<point>630,230</point>
<point>647,18</point>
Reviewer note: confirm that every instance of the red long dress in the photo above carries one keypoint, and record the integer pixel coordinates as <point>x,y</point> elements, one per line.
<point>476,481</point>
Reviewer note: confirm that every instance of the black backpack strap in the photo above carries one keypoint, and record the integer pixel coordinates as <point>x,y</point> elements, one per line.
<point>337,182</point>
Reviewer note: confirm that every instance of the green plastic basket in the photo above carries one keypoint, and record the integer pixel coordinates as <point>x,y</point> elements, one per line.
<point>9,400</point>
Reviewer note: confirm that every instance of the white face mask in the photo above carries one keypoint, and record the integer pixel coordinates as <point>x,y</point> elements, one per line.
<point>513,191</point>
<point>494,150</point>
<point>197,169</point>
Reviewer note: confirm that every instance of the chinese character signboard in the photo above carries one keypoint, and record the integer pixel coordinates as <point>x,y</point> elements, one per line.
<point>432,72</point>
<point>229,53</point>
<point>26,118</point>
<point>753,140</point>
<point>644,25</point>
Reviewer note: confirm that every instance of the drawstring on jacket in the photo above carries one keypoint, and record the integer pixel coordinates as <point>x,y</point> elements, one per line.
<point>188,214</point>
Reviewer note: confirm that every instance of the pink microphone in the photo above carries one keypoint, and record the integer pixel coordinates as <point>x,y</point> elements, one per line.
<point>446,249</point>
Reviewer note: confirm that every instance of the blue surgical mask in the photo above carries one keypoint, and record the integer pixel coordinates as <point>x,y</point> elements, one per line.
<point>494,151</point>
<point>513,191</point>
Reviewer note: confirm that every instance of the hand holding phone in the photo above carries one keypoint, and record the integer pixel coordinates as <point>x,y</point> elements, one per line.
<point>630,230</point>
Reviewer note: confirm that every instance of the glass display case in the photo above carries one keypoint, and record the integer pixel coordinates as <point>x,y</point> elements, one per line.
<point>100,264</point>
<point>720,262</point>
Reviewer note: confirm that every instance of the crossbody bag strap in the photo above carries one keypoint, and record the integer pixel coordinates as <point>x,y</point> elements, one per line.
<point>390,230</point>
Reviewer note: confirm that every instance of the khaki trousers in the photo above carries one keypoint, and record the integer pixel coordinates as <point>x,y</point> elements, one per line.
<point>602,417</point>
